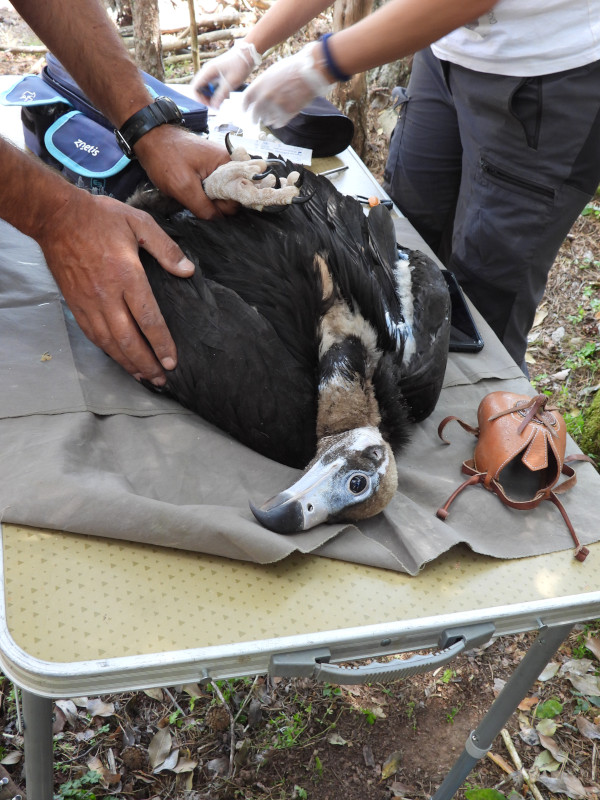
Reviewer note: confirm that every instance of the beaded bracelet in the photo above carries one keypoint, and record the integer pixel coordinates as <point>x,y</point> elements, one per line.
<point>331,65</point>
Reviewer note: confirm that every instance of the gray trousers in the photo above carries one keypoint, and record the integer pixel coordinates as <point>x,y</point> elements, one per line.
<point>492,171</point>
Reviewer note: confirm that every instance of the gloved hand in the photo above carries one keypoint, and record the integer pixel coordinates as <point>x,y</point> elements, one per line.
<point>226,72</point>
<point>287,87</point>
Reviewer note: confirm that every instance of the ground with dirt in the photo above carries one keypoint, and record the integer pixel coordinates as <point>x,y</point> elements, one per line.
<point>264,738</point>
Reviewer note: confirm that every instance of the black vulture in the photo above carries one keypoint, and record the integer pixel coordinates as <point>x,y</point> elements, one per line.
<point>310,336</point>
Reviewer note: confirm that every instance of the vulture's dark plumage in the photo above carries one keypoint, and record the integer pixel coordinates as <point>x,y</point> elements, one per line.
<point>311,337</point>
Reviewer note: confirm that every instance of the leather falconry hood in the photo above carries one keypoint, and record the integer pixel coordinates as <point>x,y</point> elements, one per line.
<point>519,455</point>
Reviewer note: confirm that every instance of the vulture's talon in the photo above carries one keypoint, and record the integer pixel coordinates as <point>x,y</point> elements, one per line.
<point>302,198</point>
<point>260,175</point>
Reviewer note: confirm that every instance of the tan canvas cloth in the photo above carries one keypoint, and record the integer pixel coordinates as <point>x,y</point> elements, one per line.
<point>84,448</point>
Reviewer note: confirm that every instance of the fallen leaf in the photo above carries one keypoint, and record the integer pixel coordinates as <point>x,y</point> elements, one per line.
<point>529,736</point>
<point>46,357</point>
<point>550,671</point>
<point>546,761</point>
<point>335,738</point>
<point>59,721</point>
<point>550,744</point>
<point>12,758</point>
<point>587,728</point>
<point>565,784</point>
<point>98,708</point>
<point>400,789</point>
<point>529,359</point>
<point>586,684</point>
<point>368,756</point>
<point>193,689</point>
<point>69,709</point>
<point>391,765</point>
<point>80,702</point>
<point>218,765</point>
<point>540,316</point>
<point>185,765</point>
<point>169,763</point>
<point>85,736</point>
<point>95,765</point>
<point>159,747</point>
<point>577,666</point>
<point>528,703</point>
<point>155,694</point>
<point>593,645</point>
<point>547,727</point>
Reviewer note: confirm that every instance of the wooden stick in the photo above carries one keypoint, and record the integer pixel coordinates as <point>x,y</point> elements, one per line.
<point>193,35</point>
<point>519,765</point>
<point>500,762</point>
<point>31,48</point>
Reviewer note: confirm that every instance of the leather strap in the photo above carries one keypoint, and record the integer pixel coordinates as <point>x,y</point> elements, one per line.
<point>163,111</point>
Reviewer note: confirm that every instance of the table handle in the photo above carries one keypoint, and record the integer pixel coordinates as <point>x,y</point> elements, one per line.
<point>315,663</point>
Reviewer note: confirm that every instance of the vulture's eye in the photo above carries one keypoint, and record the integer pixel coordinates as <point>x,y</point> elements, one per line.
<point>357,483</point>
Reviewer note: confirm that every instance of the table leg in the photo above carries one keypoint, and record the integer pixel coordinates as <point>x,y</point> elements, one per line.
<point>480,740</point>
<point>39,756</point>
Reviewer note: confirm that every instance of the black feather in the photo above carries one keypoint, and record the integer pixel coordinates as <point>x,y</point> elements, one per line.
<point>246,324</point>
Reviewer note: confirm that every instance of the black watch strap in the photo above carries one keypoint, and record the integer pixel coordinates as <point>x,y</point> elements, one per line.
<point>161,112</point>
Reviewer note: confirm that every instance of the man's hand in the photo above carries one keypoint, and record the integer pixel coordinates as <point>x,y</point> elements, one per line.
<point>177,162</point>
<point>91,247</point>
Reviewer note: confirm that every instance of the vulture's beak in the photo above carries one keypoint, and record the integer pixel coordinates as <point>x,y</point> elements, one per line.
<point>352,477</point>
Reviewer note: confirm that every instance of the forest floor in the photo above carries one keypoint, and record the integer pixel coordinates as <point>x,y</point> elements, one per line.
<point>280,739</point>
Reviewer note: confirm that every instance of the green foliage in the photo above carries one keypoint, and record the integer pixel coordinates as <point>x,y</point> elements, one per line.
<point>591,210</point>
<point>575,424</point>
<point>484,794</point>
<point>586,356</point>
<point>452,714</point>
<point>300,793</point>
<point>290,729</point>
<point>318,768</point>
<point>369,715</point>
<point>447,676</point>
<point>78,789</point>
<point>579,649</point>
<point>331,691</point>
<point>549,709</point>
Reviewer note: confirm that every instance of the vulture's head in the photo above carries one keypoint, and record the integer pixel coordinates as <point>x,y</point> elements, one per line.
<point>353,476</point>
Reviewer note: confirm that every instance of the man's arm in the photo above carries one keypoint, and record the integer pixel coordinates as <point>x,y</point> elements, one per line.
<point>91,246</point>
<point>85,41</point>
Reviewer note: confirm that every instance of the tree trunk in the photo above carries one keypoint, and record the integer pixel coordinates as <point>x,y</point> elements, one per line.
<point>351,97</point>
<point>146,37</point>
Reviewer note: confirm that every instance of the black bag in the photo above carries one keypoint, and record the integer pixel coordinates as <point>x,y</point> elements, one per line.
<point>65,130</point>
<point>321,127</point>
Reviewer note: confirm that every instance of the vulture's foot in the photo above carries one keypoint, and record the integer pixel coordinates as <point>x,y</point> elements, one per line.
<point>251,184</point>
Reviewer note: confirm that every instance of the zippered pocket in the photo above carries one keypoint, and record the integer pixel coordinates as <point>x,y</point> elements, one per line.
<point>517,181</point>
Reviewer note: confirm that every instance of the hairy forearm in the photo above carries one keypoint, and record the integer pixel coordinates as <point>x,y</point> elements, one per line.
<point>400,28</point>
<point>30,192</point>
<point>86,42</point>
<point>282,20</point>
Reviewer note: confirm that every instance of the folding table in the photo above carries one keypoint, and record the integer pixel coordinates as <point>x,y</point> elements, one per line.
<point>82,614</point>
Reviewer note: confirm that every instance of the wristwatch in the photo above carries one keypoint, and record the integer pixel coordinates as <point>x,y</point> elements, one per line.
<point>162,111</point>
